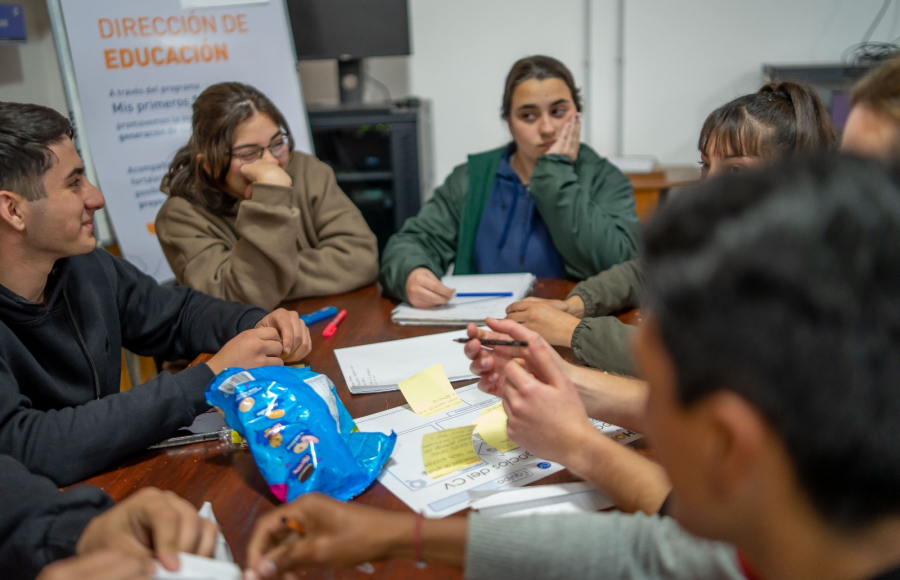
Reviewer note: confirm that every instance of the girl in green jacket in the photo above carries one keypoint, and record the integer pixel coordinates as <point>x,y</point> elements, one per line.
<point>545,203</point>
<point>777,121</point>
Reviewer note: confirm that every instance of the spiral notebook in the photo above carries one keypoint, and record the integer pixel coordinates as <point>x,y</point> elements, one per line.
<point>461,311</point>
<point>378,367</point>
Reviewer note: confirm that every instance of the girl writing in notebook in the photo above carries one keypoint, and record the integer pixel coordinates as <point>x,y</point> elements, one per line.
<point>545,203</point>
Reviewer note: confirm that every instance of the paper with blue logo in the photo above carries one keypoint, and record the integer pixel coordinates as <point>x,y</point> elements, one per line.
<point>404,474</point>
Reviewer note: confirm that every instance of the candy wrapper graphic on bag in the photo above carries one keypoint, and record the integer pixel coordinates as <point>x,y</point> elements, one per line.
<point>300,434</point>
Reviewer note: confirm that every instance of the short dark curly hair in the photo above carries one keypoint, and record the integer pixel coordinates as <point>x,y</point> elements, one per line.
<point>783,285</point>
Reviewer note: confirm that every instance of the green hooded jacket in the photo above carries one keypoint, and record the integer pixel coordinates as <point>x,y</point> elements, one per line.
<point>588,207</point>
<point>601,340</point>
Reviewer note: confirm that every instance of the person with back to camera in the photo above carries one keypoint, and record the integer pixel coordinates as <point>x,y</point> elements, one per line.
<point>779,120</point>
<point>772,405</point>
<point>622,400</point>
<point>873,126</point>
<point>250,219</point>
<point>545,203</point>
<point>79,534</point>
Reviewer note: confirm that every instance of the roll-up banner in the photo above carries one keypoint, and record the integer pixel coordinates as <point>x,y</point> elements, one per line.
<point>138,68</point>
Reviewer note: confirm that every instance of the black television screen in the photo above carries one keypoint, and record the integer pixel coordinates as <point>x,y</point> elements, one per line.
<point>348,29</point>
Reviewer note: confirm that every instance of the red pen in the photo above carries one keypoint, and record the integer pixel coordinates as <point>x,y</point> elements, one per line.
<point>332,326</point>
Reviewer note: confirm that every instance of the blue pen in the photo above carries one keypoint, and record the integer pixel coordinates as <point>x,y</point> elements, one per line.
<point>320,314</point>
<point>482,294</point>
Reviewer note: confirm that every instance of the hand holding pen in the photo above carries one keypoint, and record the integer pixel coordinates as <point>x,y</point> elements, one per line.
<point>315,529</point>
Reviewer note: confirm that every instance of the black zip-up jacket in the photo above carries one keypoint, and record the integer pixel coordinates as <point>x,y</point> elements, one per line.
<point>38,523</point>
<point>61,412</point>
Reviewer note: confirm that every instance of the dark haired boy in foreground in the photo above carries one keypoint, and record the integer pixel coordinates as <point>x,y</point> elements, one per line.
<point>771,358</point>
<point>40,524</point>
<point>67,309</point>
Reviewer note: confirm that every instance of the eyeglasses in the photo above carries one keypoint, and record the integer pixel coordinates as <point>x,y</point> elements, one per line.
<point>278,148</point>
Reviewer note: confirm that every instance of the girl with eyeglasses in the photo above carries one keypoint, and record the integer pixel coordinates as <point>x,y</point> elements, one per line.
<point>250,219</point>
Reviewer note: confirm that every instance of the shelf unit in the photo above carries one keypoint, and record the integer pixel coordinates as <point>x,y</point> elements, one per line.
<point>379,157</point>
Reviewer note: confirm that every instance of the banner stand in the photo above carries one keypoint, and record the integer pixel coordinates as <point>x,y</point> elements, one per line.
<point>132,70</point>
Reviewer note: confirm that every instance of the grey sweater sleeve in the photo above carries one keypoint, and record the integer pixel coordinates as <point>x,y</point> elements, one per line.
<point>599,545</point>
<point>605,343</point>
<point>618,288</point>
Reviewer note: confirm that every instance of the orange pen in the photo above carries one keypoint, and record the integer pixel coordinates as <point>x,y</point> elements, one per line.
<point>332,326</point>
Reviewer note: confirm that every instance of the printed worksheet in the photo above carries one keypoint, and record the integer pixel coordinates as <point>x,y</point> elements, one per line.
<point>380,366</point>
<point>404,474</point>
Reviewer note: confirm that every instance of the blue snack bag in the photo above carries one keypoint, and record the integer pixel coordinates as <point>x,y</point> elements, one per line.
<point>300,434</point>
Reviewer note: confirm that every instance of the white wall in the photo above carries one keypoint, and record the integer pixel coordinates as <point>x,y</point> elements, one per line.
<point>29,72</point>
<point>682,59</point>
<point>685,58</point>
<point>462,53</point>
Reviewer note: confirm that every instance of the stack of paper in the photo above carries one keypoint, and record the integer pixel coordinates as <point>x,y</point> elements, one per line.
<point>221,566</point>
<point>374,368</point>
<point>635,164</point>
<point>461,310</point>
<point>540,499</point>
<point>199,568</point>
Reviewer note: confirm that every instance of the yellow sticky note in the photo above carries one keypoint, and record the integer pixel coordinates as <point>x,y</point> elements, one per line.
<point>447,451</point>
<point>486,410</point>
<point>492,429</point>
<point>429,392</point>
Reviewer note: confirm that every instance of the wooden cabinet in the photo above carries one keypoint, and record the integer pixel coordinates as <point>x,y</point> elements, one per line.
<point>650,189</point>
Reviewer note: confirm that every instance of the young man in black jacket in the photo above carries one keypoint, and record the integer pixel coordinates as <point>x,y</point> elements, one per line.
<point>44,525</point>
<point>67,309</point>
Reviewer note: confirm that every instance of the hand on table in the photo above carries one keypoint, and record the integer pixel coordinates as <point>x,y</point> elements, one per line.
<point>424,290</point>
<point>573,305</point>
<point>103,565</point>
<point>258,347</point>
<point>280,336</point>
<point>293,332</point>
<point>569,140</point>
<point>150,522</point>
<point>554,324</point>
<point>336,534</point>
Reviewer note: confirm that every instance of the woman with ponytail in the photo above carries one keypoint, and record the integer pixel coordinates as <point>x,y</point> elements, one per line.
<point>250,219</point>
<point>777,121</point>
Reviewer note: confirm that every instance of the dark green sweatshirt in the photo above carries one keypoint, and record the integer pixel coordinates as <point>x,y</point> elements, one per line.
<point>600,340</point>
<point>587,205</point>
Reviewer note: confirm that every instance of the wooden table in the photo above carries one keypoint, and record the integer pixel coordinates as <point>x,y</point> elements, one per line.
<point>229,478</point>
<point>650,189</point>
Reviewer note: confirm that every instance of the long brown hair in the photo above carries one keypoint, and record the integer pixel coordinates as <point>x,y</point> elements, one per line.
<point>778,119</point>
<point>199,169</point>
<point>537,67</point>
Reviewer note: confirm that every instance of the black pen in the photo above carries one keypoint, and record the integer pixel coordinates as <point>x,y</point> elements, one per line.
<point>492,342</point>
